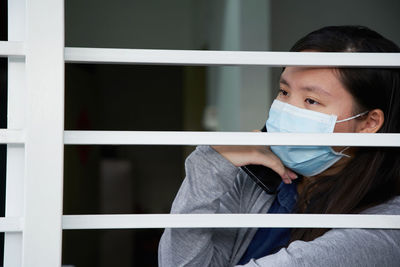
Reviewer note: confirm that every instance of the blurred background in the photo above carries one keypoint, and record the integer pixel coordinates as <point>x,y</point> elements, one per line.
<point>145,179</point>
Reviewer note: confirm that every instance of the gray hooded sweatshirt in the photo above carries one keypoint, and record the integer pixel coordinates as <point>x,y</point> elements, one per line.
<point>214,185</point>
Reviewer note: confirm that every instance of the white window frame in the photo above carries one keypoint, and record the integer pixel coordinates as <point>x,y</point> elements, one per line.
<point>35,136</point>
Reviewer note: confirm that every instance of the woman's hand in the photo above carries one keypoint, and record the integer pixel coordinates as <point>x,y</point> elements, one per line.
<point>259,155</point>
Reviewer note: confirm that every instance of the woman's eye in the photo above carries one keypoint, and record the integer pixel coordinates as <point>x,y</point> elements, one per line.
<point>283,92</point>
<point>311,101</point>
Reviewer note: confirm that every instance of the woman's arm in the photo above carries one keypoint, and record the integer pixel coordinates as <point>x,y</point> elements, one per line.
<point>344,247</point>
<point>209,178</point>
<point>213,184</point>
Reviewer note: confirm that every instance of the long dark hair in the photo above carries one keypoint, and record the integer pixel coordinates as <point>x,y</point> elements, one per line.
<point>373,175</point>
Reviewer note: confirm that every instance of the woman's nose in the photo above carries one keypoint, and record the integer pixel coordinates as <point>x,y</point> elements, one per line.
<point>294,101</point>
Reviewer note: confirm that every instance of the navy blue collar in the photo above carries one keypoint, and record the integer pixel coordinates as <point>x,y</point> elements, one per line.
<point>287,195</point>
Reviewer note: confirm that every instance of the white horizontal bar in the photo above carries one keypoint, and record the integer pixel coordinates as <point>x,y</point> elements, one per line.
<point>11,136</point>
<point>226,138</point>
<point>199,57</point>
<point>73,222</point>
<point>8,48</point>
<point>10,224</point>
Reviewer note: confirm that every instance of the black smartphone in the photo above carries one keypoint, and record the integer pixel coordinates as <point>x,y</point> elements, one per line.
<point>263,176</point>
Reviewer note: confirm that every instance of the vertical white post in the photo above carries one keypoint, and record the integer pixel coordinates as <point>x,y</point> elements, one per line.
<point>229,77</point>
<point>15,120</point>
<point>42,233</point>
<point>241,93</point>
<point>255,91</point>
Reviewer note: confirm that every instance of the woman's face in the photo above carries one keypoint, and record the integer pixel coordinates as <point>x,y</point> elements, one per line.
<point>318,89</point>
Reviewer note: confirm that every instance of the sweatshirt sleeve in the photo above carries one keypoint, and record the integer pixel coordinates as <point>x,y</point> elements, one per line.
<point>340,247</point>
<point>209,187</point>
<point>343,247</point>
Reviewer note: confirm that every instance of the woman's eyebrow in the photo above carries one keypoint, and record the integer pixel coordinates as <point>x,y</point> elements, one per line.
<point>309,88</point>
<point>283,81</point>
<point>316,89</point>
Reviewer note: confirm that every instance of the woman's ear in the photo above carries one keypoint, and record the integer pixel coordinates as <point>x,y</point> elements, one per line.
<point>372,123</point>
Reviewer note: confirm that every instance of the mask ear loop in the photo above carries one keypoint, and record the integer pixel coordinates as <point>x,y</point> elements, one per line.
<point>353,117</point>
<point>344,149</point>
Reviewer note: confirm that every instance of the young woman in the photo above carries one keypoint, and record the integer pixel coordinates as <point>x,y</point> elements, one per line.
<point>315,179</point>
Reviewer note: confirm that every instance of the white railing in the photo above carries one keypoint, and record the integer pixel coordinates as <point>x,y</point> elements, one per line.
<point>195,57</point>
<point>226,138</point>
<point>13,49</point>
<point>73,222</point>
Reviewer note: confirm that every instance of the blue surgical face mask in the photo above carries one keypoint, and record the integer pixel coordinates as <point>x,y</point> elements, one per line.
<point>305,160</point>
